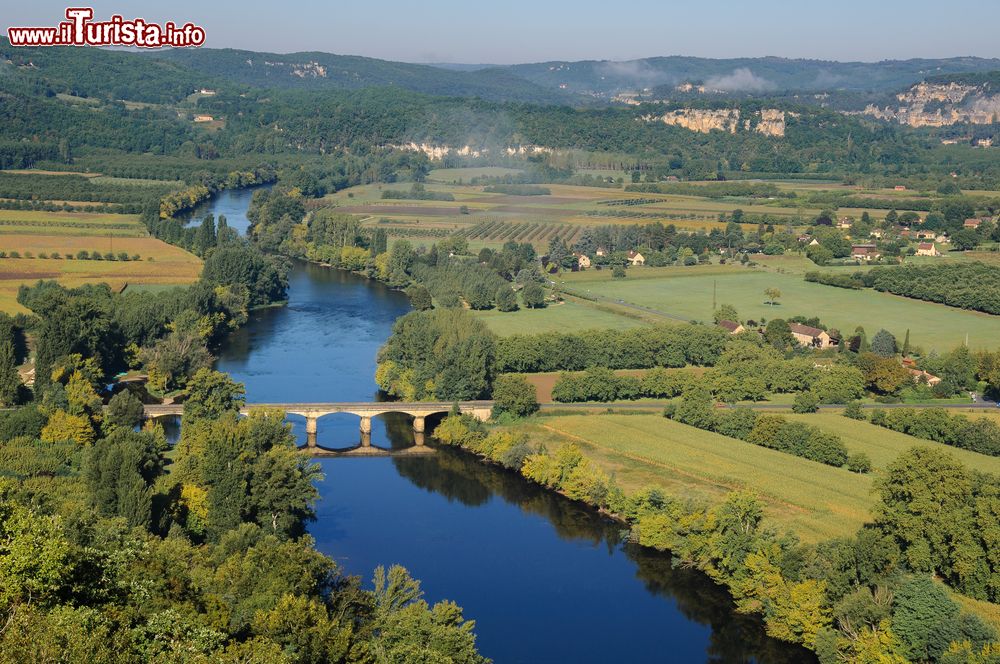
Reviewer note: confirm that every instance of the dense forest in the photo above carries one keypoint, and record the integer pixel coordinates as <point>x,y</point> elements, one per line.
<point>65,108</point>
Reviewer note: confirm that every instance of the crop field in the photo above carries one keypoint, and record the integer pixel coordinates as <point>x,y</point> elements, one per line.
<point>567,316</point>
<point>818,502</point>
<point>169,264</point>
<point>688,292</point>
<point>883,445</point>
<point>25,222</point>
<point>454,175</point>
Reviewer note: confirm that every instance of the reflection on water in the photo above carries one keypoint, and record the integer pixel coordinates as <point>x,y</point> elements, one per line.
<point>546,579</point>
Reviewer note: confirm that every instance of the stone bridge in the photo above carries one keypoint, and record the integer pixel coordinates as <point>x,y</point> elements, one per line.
<point>418,410</point>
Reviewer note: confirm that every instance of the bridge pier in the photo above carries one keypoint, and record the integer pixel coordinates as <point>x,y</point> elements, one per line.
<point>366,425</point>
<point>311,428</point>
<point>418,424</point>
<point>418,439</point>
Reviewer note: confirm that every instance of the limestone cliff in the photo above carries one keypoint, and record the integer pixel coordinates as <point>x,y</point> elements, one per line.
<point>941,104</point>
<point>439,152</point>
<point>768,121</point>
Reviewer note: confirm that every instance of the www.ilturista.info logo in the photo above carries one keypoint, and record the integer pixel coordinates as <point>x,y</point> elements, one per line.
<point>80,30</point>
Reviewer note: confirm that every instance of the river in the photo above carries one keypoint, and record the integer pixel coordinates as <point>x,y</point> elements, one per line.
<point>546,579</point>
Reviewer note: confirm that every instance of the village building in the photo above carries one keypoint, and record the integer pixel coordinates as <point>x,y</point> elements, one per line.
<point>926,235</point>
<point>635,258</point>
<point>203,118</point>
<point>732,326</point>
<point>601,251</point>
<point>865,252</point>
<point>844,223</point>
<point>927,249</point>
<point>972,223</point>
<point>921,376</point>
<point>582,260</point>
<point>811,337</point>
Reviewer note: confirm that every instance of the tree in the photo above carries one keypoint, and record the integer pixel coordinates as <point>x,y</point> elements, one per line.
<point>211,394</point>
<point>772,295</point>
<point>695,408</point>
<point>726,312</point>
<point>119,471</point>
<point>925,619</point>
<point>778,333</point>
<point>884,344</point>
<point>859,463</point>
<point>506,299</point>
<point>62,426</point>
<point>420,297</point>
<point>443,354</point>
<point>925,506</point>
<point>533,295</point>
<point>618,272</point>
<point>965,239</point>
<point>906,344</point>
<point>124,410</point>
<point>10,380</point>
<point>512,393</point>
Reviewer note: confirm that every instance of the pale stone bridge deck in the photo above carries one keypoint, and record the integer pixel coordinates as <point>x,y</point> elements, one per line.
<point>418,410</point>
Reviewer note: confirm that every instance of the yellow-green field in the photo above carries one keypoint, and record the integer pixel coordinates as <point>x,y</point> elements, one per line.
<point>27,222</point>
<point>169,264</point>
<point>817,502</point>
<point>883,445</point>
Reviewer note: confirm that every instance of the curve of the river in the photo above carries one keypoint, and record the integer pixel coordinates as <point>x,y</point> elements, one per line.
<point>546,579</point>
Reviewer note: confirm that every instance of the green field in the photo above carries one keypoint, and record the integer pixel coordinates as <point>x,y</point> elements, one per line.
<point>688,292</point>
<point>817,502</point>
<point>568,316</point>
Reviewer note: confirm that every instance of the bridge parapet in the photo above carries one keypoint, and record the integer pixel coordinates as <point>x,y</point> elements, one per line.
<point>312,412</point>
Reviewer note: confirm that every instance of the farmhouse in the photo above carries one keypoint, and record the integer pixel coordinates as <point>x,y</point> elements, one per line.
<point>972,223</point>
<point>635,258</point>
<point>812,337</point>
<point>926,235</point>
<point>601,251</point>
<point>921,376</point>
<point>732,326</point>
<point>927,249</point>
<point>844,223</point>
<point>582,260</point>
<point>203,118</point>
<point>865,252</point>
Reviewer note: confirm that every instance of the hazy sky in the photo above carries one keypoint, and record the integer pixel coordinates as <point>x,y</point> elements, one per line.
<point>537,30</point>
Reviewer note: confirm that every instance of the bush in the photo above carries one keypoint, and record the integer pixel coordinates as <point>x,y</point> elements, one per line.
<point>618,272</point>
<point>859,463</point>
<point>854,411</point>
<point>805,402</point>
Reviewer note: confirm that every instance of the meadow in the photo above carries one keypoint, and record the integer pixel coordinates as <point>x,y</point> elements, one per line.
<point>815,501</point>
<point>689,292</point>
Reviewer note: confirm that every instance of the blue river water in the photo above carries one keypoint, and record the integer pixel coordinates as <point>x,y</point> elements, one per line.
<point>546,579</point>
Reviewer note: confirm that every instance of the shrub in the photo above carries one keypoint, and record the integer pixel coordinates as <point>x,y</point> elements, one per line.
<point>854,411</point>
<point>618,272</point>
<point>83,255</point>
<point>859,463</point>
<point>805,402</point>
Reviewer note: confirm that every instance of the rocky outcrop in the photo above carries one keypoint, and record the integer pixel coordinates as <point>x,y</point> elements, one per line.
<point>940,105</point>
<point>439,152</point>
<point>768,121</point>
